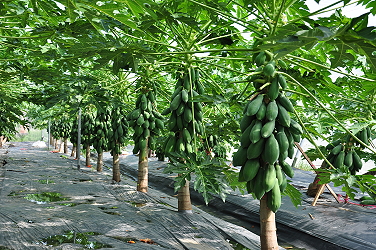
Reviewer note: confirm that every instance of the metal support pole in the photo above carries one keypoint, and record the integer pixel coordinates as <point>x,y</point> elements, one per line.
<point>78,148</point>
<point>49,135</point>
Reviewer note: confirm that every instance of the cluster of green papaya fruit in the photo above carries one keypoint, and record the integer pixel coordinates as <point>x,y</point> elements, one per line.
<point>342,155</point>
<point>87,128</point>
<point>102,125</point>
<point>343,151</point>
<point>73,134</point>
<point>146,122</point>
<point>211,141</point>
<point>117,134</point>
<point>61,128</point>
<point>364,135</point>
<point>268,136</point>
<point>186,116</point>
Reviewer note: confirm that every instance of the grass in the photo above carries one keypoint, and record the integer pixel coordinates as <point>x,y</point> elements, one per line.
<point>31,135</point>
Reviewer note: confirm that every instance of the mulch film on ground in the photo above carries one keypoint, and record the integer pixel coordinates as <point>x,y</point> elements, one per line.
<point>46,203</point>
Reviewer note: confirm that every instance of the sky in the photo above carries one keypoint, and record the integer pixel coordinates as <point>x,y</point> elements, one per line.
<point>349,11</point>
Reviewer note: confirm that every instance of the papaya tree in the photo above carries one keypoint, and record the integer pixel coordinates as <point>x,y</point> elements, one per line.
<point>87,132</point>
<point>147,123</point>
<point>117,136</point>
<point>101,130</point>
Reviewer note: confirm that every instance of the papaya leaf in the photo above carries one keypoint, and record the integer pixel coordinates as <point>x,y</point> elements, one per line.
<point>294,194</point>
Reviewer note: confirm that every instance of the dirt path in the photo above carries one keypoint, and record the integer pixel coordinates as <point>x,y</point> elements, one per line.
<point>93,212</point>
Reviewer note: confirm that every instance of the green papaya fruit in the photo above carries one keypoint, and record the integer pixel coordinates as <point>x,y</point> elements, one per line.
<point>278,173</point>
<point>175,102</point>
<point>166,111</point>
<point>285,102</point>
<point>273,89</point>
<point>271,150</point>
<point>255,133</point>
<point>260,58</point>
<point>274,198</point>
<point>283,141</point>
<point>287,169</point>
<point>339,161</point>
<point>245,122</point>
<point>270,177</point>
<point>337,149</point>
<point>267,129</point>
<point>255,149</point>
<point>245,138</point>
<point>271,111</point>
<point>269,69</point>
<point>184,95</point>
<point>254,105</point>
<point>259,189</point>
<point>250,169</point>
<point>282,81</point>
<point>283,116</point>
<point>261,112</point>
<point>348,161</point>
<point>240,157</point>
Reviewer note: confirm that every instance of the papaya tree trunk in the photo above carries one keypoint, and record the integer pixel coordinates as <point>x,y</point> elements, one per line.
<point>184,199</point>
<point>142,180</point>
<point>268,234</point>
<point>65,145</point>
<point>3,140</point>
<point>116,167</point>
<point>55,143</point>
<point>100,162</point>
<point>87,155</point>
<point>61,145</point>
<point>73,150</point>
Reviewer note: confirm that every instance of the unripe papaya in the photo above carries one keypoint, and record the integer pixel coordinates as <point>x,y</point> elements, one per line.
<point>270,177</point>
<point>348,159</point>
<point>188,116</point>
<point>180,109</point>
<point>184,95</point>
<point>166,111</point>
<point>269,69</point>
<point>250,169</point>
<point>283,141</point>
<point>278,173</point>
<point>245,138</point>
<point>285,102</point>
<point>287,169</point>
<point>271,150</point>
<point>283,117</point>
<point>260,58</point>
<point>282,81</point>
<point>337,149</point>
<point>268,129</point>
<point>273,90</point>
<point>271,111</point>
<point>255,149</point>
<point>254,105</point>
<point>274,199</point>
<point>175,102</point>
<point>259,189</point>
<point>186,135</point>
<point>255,133</point>
<point>357,162</point>
<point>261,112</point>
<point>295,127</point>
<point>240,157</point>
<point>338,163</point>
<point>245,122</point>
